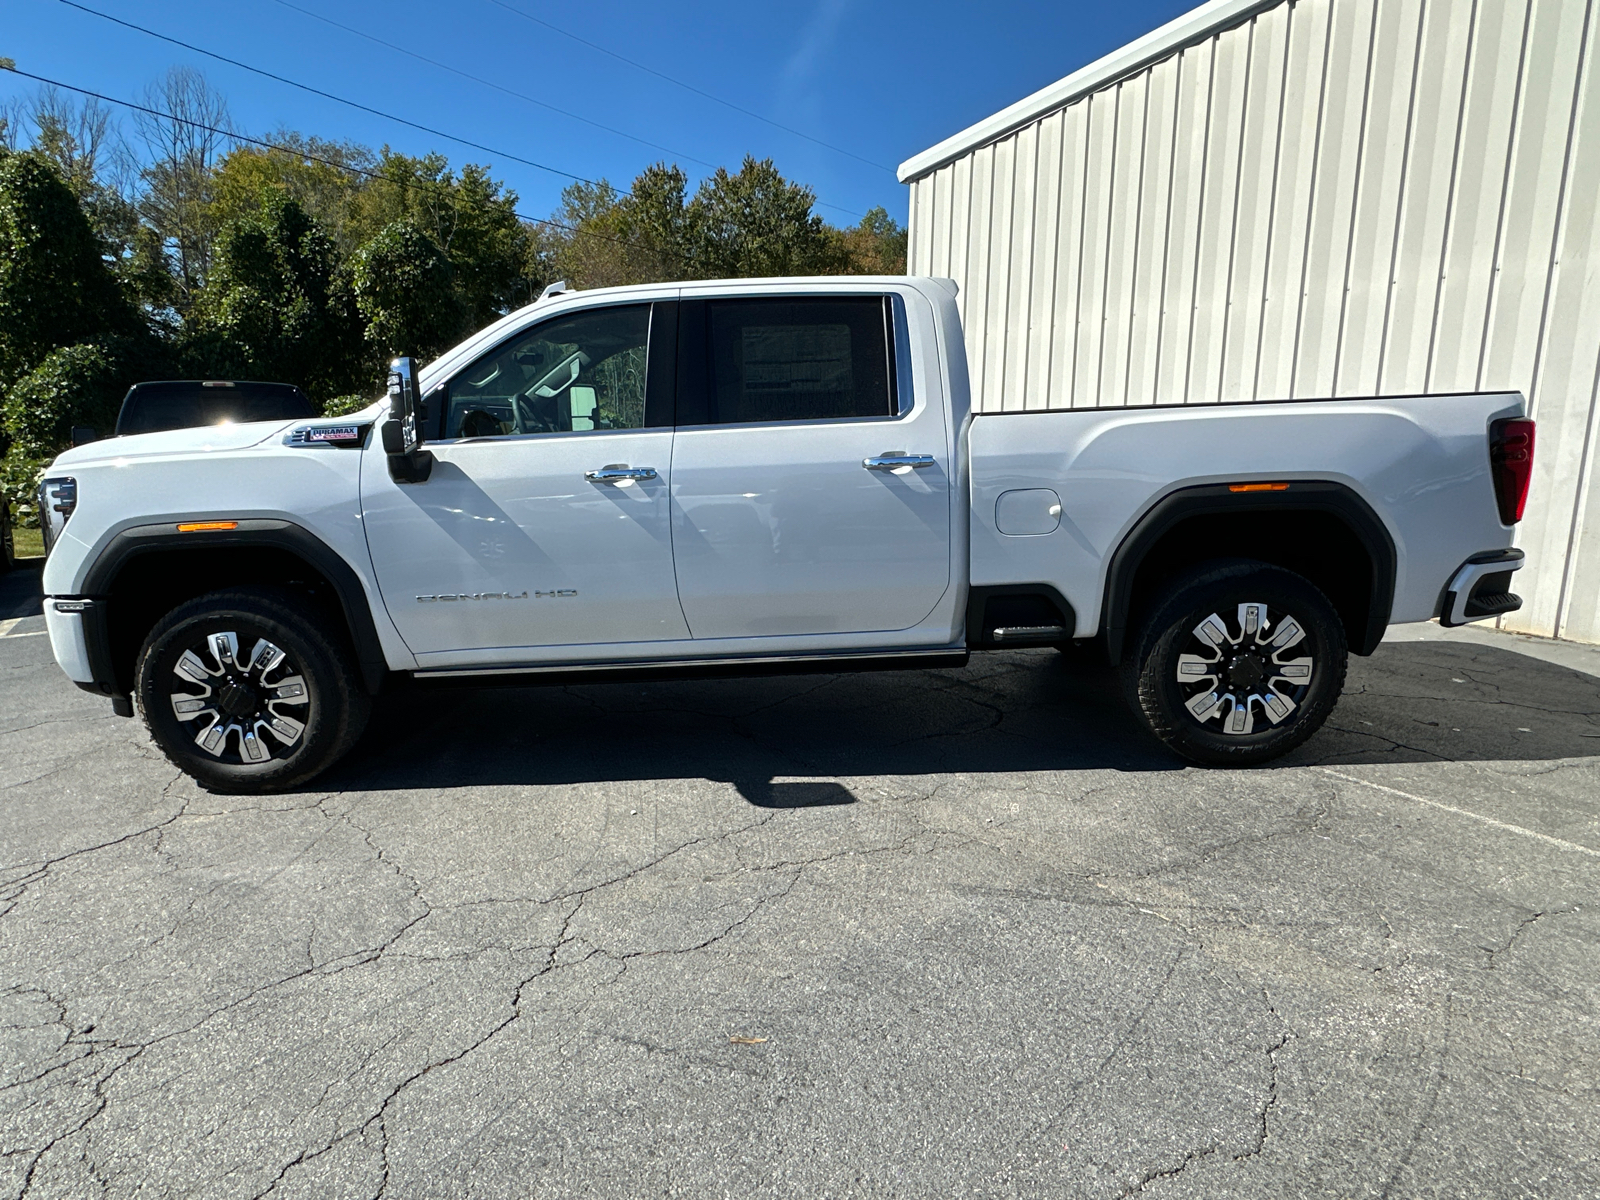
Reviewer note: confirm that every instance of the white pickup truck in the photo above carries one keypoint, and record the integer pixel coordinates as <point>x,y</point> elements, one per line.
<point>760,475</point>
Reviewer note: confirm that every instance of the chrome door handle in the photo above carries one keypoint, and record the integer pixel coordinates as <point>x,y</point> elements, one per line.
<point>619,473</point>
<point>897,461</point>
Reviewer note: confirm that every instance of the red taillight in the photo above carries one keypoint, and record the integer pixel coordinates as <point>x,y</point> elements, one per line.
<point>1511,464</point>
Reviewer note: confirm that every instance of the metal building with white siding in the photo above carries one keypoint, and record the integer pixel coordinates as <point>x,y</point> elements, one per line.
<point>1298,198</point>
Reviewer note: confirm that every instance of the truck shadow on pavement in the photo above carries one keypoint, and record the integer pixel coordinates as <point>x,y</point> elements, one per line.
<point>20,594</point>
<point>787,742</point>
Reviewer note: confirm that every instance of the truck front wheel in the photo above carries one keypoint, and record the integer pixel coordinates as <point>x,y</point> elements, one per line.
<point>1239,664</point>
<point>242,691</point>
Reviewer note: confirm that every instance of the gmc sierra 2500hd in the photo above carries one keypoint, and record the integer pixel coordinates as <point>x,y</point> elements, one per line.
<point>758,475</point>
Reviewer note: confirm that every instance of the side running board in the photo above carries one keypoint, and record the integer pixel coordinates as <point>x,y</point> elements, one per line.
<point>697,668</point>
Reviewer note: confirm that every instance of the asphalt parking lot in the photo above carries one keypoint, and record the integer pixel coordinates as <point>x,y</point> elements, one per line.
<point>945,933</point>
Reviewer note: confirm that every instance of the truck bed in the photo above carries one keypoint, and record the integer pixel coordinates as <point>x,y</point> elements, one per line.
<point>1419,462</point>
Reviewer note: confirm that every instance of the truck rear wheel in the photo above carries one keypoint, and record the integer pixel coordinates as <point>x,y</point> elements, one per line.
<point>1241,663</point>
<point>244,693</point>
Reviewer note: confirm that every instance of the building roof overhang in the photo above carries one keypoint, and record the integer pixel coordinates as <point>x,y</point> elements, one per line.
<point>1193,26</point>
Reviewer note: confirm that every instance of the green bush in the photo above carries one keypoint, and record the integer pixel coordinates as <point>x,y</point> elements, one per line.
<point>75,385</point>
<point>19,480</point>
<point>339,405</point>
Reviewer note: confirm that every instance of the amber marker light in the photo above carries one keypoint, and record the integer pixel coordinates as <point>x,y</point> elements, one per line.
<point>1258,487</point>
<point>207,526</point>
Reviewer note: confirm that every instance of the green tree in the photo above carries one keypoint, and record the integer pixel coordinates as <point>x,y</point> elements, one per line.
<point>658,211</point>
<point>588,237</point>
<point>74,385</point>
<point>757,223</point>
<point>87,149</point>
<point>470,217</point>
<point>276,305</point>
<point>643,236</point>
<point>325,178</point>
<point>405,292</point>
<point>753,222</point>
<point>487,247</point>
<point>876,246</point>
<point>146,277</point>
<point>55,286</point>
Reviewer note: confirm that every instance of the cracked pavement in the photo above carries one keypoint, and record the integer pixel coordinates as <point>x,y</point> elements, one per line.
<point>976,935</point>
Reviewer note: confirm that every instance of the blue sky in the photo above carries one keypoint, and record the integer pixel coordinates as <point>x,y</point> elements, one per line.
<point>880,80</point>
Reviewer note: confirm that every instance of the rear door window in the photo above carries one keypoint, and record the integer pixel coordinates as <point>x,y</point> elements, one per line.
<point>806,358</point>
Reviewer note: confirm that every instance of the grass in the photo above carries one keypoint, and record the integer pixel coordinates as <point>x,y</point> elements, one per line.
<point>29,543</point>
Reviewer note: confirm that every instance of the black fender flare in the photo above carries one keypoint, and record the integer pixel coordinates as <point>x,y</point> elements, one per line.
<point>139,540</point>
<point>1208,499</point>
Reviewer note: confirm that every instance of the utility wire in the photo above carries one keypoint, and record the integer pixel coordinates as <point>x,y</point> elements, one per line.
<point>305,87</point>
<point>450,137</point>
<point>688,87</point>
<point>300,153</point>
<point>489,83</point>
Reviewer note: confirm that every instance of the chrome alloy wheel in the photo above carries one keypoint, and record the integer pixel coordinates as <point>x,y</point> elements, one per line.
<point>1230,674</point>
<point>237,707</point>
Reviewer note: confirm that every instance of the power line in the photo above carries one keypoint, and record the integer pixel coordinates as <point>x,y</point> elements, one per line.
<point>689,87</point>
<point>305,87</point>
<point>297,152</point>
<point>361,33</point>
<point>677,154</point>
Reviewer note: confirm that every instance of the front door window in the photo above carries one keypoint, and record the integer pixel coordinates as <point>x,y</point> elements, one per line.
<point>575,374</point>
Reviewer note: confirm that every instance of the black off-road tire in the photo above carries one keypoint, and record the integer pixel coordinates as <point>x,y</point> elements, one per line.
<point>1171,640</point>
<point>332,708</point>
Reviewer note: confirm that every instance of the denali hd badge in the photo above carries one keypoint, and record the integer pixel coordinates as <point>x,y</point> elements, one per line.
<point>562,592</point>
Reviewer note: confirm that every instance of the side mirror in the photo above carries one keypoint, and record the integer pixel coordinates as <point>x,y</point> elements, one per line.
<point>82,435</point>
<point>402,432</point>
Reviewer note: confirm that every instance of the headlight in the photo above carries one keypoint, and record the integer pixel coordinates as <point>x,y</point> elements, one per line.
<point>57,498</point>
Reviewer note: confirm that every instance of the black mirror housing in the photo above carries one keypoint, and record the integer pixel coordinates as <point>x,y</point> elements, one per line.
<point>82,435</point>
<point>402,432</point>
<point>404,402</point>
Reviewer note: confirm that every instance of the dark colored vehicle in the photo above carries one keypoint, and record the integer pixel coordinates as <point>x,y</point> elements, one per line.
<point>184,403</point>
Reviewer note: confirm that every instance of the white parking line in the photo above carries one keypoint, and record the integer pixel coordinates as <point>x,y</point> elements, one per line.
<point>1462,812</point>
